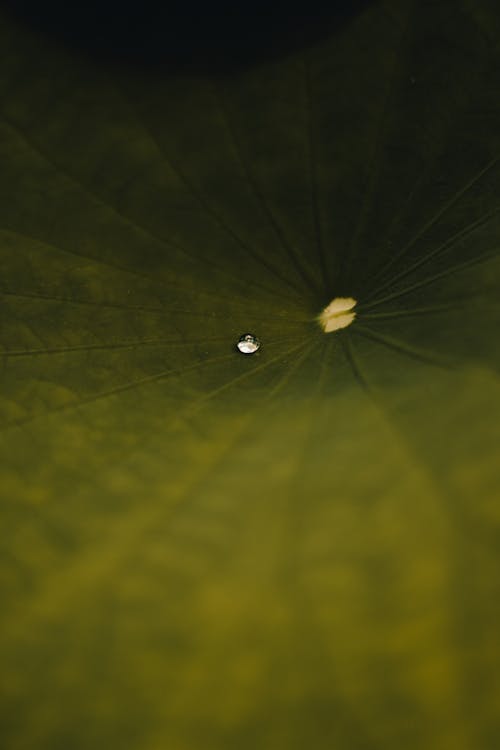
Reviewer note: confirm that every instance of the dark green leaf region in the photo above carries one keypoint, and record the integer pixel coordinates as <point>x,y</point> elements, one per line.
<point>296,549</point>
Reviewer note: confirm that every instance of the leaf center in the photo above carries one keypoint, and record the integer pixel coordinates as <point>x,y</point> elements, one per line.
<point>338,314</point>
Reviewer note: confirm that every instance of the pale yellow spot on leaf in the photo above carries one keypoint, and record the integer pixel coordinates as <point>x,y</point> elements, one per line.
<point>338,314</point>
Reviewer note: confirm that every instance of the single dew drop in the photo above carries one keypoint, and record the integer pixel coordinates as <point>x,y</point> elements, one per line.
<point>248,344</point>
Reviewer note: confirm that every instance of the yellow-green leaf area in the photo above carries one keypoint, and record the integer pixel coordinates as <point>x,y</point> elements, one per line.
<point>297,549</point>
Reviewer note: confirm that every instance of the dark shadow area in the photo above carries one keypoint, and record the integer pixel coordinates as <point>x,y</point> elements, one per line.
<point>192,35</point>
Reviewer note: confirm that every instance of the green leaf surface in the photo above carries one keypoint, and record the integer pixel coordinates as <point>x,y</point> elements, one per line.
<point>297,549</point>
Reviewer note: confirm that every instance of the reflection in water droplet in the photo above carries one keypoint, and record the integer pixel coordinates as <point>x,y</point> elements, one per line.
<point>248,343</point>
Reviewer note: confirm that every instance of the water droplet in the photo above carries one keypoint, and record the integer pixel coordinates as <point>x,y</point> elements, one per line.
<point>248,343</point>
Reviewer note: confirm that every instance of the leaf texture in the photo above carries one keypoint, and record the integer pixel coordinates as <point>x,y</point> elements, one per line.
<point>294,549</point>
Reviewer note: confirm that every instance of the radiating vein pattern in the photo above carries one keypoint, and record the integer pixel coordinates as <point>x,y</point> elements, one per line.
<point>208,551</point>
